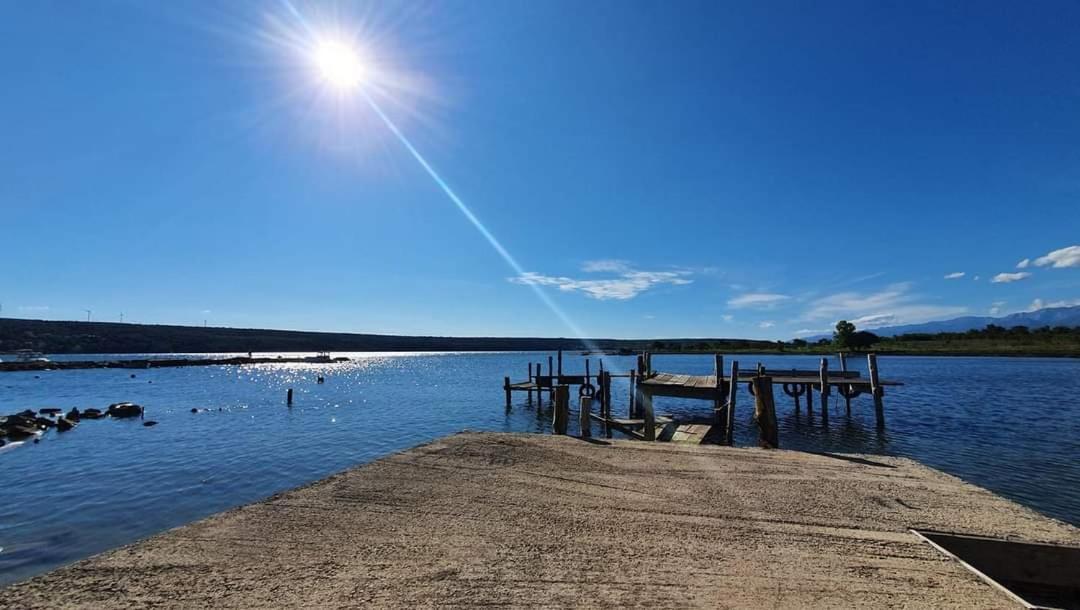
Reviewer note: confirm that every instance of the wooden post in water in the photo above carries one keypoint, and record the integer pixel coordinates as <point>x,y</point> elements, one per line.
<point>847,393</point>
<point>529,394</point>
<point>607,402</point>
<point>765,413</point>
<point>560,362</point>
<point>825,390</point>
<point>876,390</point>
<point>733,388</point>
<point>561,412</point>
<point>288,397</point>
<point>539,395</point>
<point>718,389</point>
<point>809,388</point>
<point>506,388</point>
<point>633,393</point>
<point>650,417</point>
<point>584,419</point>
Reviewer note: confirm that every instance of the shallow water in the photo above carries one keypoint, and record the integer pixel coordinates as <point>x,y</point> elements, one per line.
<point>1008,424</point>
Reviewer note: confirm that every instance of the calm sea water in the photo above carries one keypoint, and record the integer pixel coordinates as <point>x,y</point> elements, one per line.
<point>1010,425</point>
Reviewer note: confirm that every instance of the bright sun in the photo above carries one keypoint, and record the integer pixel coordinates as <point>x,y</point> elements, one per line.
<point>340,65</point>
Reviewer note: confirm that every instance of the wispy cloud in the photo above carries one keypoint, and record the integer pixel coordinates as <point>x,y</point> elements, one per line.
<point>1060,259</point>
<point>1005,278</point>
<point>802,332</point>
<point>757,300</point>
<point>605,265</point>
<point>33,308</point>
<point>1023,264</point>
<point>727,317</point>
<point>1038,304</point>
<point>995,307</point>
<point>976,278</point>
<point>895,304</point>
<point>955,276</point>
<point>628,284</point>
<point>766,324</point>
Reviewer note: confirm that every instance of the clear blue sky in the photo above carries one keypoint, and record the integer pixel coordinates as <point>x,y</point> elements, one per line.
<point>752,169</point>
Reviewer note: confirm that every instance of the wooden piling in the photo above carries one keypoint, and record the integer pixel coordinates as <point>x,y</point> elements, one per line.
<point>561,412</point>
<point>506,388</point>
<point>876,390</point>
<point>584,417</point>
<point>847,394</point>
<point>607,403</point>
<point>650,417</point>
<point>765,413</point>
<point>809,389</point>
<point>633,392</point>
<point>718,386</point>
<point>539,392</point>
<point>733,388</point>
<point>288,397</point>
<point>529,393</point>
<point>825,390</point>
<point>560,363</point>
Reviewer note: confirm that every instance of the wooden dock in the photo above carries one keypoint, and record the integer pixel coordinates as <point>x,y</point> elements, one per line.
<point>720,387</point>
<point>483,520</point>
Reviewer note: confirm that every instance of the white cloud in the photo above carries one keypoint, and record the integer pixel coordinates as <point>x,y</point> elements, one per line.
<point>627,285</point>
<point>955,276</point>
<point>1060,259</point>
<point>727,317</point>
<point>1023,264</point>
<point>766,324</point>
<point>995,307</point>
<point>976,278</point>
<point>895,304</point>
<point>1005,278</point>
<point>802,332</point>
<point>757,300</point>
<point>609,265</point>
<point>1038,304</point>
<point>33,308</point>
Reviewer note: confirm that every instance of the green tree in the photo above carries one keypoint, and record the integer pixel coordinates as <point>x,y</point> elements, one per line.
<point>842,336</point>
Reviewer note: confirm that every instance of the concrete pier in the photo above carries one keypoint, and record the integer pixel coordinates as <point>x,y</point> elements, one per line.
<point>505,519</point>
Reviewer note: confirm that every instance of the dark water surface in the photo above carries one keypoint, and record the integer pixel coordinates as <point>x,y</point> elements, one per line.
<point>1011,425</point>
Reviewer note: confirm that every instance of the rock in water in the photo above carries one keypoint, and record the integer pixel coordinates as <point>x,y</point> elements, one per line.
<point>91,414</point>
<point>64,424</point>
<point>149,423</point>
<point>49,411</point>
<point>124,409</point>
<point>73,414</point>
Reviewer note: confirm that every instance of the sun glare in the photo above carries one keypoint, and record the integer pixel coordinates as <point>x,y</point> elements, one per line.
<point>339,65</point>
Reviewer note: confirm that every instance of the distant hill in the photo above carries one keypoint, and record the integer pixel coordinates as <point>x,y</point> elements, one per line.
<point>1051,316</point>
<point>66,337</point>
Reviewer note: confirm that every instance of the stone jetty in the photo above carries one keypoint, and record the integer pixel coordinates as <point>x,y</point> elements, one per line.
<point>532,520</point>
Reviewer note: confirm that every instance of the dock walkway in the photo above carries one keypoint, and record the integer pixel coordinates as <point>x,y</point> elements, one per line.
<point>534,520</point>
